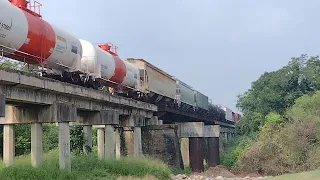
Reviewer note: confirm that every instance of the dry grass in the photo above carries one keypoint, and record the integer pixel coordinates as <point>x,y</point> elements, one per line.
<point>310,175</point>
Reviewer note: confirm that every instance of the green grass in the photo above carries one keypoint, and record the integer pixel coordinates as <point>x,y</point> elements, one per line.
<point>310,175</point>
<point>187,170</point>
<point>85,167</point>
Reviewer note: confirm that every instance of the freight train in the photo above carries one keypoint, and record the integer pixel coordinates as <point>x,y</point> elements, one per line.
<point>51,52</point>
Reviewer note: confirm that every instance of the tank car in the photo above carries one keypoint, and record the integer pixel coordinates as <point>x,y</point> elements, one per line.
<point>103,64</point>
<point>26,37</point>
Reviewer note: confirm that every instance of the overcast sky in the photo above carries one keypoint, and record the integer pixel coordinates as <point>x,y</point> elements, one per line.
<point>217,46</point>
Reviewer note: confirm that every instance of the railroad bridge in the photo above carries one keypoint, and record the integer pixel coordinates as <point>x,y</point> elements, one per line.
<point>25,98</point>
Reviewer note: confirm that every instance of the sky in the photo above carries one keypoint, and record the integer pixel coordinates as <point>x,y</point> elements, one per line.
<point>219,47</point>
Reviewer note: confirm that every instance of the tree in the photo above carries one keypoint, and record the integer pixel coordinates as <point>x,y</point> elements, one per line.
<point>277,91</point>
<point>13,64</point>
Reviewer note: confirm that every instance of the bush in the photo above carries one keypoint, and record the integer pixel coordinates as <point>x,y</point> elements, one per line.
<point>287,147</point>
<point>235,149</point>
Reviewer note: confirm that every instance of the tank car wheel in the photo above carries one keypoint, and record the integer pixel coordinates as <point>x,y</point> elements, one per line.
<point>89,83</point>
<point>76,79</point>
<point>96,85</point>
<point>66,77</point>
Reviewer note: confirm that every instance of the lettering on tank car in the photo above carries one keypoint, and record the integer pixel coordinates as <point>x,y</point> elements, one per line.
<point>104,67</point>
<point>6,26</point>
<point>61,44</point>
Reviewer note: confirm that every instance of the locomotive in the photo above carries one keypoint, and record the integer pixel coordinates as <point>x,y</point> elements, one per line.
<point>53,53</point>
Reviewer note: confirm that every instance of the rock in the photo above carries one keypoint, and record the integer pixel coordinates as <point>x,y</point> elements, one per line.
<point>219,177</point>
<point>179,176</point>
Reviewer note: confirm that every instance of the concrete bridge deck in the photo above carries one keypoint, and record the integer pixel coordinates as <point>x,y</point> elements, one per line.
<point>25,88</point>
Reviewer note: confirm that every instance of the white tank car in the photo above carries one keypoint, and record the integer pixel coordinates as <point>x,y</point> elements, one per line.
<point>25,34</point>
<point>102,64</point>
<point>96,61</point>
<point>132,78</point>
<point>67,52</point>
<point>13,26</point>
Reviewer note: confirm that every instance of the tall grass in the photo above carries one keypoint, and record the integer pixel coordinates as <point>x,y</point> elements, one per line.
<point>85,167</point>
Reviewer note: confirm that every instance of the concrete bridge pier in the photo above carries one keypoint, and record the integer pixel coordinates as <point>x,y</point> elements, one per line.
<point>196,132</point>
<point>109,142</point>
<point>132,131</point>
<point>2,106</point>
<point>36,144</point>
<point>87,135</point>
<point>162,142</point>
<point>59,112</point>
<point>184,146</point>
<point>104,121</point>
<point>64,146</point>
<point>227,134</point>
<point>63,113</point>
<point>100,141</point>
<point>111,119</point>
<point>117,143</point>
<point>8,145</point>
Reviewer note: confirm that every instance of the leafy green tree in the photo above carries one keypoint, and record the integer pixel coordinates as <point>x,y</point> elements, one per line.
<point>12,64</point>
<point>50,139</point>
<point>277,91</point>
<point>76,139</point>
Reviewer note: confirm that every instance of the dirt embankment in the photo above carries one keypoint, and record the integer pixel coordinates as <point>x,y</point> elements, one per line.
<point>218,173</point>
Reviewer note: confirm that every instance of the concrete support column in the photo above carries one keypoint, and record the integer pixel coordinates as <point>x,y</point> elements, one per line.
<point>64,146</point>
<point>36,144</point>
<point>87,133</point>
<point>129,139</point>
<point>100,142</point>
<point>137,142</point>
<point>109,141</point>
<point>184,146</point>
<point>117,142</point>
<point>196,154</point>
<point>226,136</point>
<point>2,105</point>
<point>8,145</point>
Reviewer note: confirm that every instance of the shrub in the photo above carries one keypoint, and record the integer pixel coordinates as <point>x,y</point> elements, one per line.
<point>235,149</point>
<point>287,147</point>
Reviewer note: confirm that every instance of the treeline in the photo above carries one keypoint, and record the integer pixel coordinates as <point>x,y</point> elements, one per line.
<point>280,128</point>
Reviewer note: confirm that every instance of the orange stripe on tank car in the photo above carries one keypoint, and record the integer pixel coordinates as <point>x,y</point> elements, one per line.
<point>120,70</point>
<point>41,39</point>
